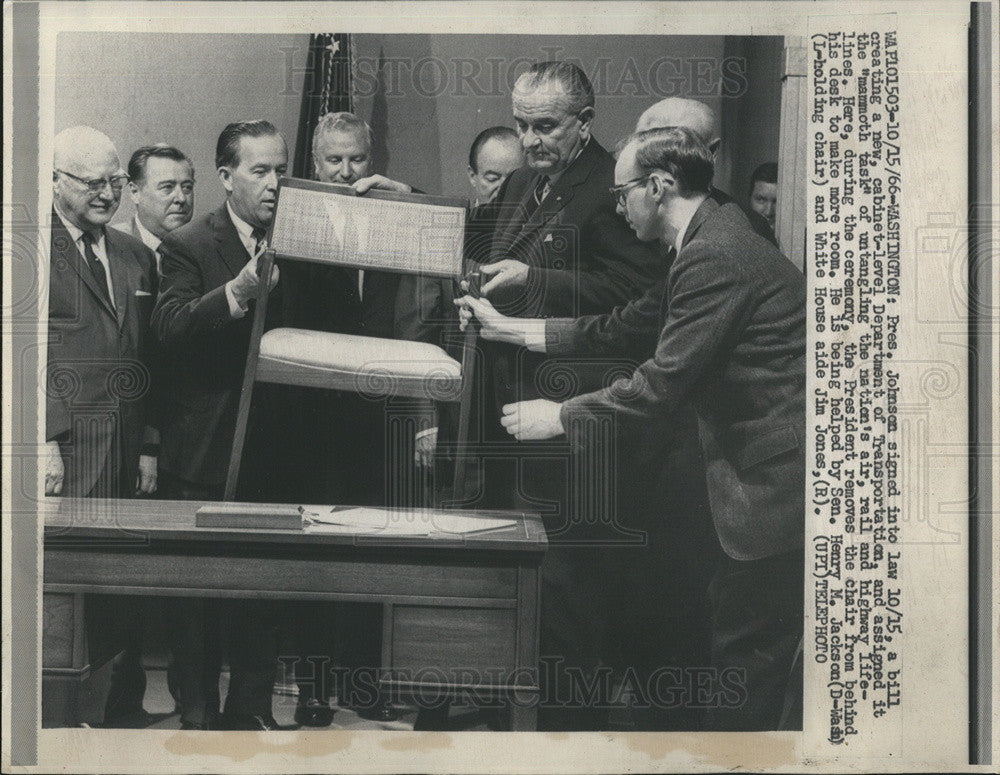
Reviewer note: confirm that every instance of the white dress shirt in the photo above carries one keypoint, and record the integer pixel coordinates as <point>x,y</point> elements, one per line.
<point>100,249</point>
<point>245,232</point>
<point>149,239</point>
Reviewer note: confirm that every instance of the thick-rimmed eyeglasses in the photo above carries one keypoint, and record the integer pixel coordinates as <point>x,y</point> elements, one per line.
<point>96,185</point>
<point>620,191</point>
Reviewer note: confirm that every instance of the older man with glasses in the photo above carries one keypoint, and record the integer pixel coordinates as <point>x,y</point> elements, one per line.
<point>102,285</point>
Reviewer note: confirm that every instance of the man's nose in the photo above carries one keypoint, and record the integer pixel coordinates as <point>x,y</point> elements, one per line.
<point>529,139</point>
<point>271,181</point>
<point>620,207</point>
<point>107,193</point>
<point>345,169</point>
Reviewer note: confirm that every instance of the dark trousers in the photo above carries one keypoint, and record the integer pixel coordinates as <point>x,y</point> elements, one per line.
<point>338,652</point>
<point>575,669</point>
<point>197,639</point>
<point>756,630</point>
<point>340,439</point>
<point>114,623</point>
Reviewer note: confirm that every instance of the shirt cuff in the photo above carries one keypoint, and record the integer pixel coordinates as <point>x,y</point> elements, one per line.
<point>235,310</point>
<point>534,337</point>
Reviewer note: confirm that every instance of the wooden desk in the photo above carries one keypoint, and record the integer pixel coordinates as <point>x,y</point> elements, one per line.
<point>456,609</point>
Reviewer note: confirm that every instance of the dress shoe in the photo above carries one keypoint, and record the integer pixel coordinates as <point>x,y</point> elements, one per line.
<point>135,718</point>
<point>254,723</point>
<point>382,711</point>
<point>314,714</point>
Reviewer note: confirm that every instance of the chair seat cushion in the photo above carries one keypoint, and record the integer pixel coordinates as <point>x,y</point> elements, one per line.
<point>360,364</point>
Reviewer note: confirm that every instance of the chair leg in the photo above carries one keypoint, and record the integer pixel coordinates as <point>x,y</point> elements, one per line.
<point>464,411</point>
<point>249,374</point>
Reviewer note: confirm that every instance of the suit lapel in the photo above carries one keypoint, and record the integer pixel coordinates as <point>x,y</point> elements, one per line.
<point>513,225</point>
<point>231,249</point>
<point>560,194</point>
<point>706,208</point>
<point>64,244</point>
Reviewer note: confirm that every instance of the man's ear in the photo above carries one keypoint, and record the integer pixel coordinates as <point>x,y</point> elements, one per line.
<point>472,174</point>
<point>226,176</point>
<point>662,183</point>
<point>714,146</point>
<point>133,189</point>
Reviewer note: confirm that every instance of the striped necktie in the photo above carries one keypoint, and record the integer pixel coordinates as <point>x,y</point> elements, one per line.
<point>537,195</point>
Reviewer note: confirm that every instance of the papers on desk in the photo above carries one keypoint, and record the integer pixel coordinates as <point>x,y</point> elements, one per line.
<point>364,520</point>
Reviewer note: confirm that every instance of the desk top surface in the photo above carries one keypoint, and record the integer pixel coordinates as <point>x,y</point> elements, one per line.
<point>85,519</point>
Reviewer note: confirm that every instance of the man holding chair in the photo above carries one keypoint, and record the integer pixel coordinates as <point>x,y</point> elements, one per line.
<point>202,317</point>
<point>726,331</point>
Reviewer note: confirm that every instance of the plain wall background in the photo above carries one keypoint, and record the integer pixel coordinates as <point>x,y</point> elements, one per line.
<point>426,96</point>
<point>179,89</point>
<point>432,113</point>
<point>752,123</point>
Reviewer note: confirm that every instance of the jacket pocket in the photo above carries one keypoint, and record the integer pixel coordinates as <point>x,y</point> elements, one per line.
<point>766,446</point>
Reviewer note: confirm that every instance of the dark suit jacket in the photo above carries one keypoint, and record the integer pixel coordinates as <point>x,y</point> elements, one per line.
<point>583,259</point>
<point>98,370</point>
<point>207,347</point>
<point>727,332</point>
<point>757,221</point>
<point>158,359</point>
<point>425,311</point>
<point>339,307</point>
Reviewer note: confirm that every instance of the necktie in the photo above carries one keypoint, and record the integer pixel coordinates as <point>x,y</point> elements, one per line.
<point>258,236</point>
<point>538,194</point>
<point>96,267</point>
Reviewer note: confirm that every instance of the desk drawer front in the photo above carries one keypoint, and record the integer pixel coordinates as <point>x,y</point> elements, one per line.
<point>275,577</point>
<point>459,645</point>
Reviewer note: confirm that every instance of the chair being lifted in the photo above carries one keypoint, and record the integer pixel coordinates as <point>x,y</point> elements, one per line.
<point>382,230</point>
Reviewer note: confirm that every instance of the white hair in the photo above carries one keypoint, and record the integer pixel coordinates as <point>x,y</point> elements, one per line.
<point>80,146</point>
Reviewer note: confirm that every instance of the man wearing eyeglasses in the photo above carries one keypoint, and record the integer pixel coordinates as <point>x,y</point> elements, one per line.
<point>558,248</point>
<point>102,288</point>
<point>102,285</point>
<point>725,332</point>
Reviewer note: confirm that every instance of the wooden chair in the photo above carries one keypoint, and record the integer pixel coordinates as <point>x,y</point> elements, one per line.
<point>381,230</point>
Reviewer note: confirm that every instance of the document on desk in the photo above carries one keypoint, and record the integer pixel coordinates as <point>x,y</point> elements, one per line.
<point>397,522</point>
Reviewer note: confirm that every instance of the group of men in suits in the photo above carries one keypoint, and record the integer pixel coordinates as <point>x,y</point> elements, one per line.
<point>721,334</point>
<point>593,269</point>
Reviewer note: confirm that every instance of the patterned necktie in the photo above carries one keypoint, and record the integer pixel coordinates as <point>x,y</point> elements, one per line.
<point>538,194</point>
<point>96,267</point>
<point>258,236</point>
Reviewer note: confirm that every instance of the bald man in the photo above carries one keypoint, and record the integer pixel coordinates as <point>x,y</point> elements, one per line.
<point>102,285</point>
<point>702,120</point>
